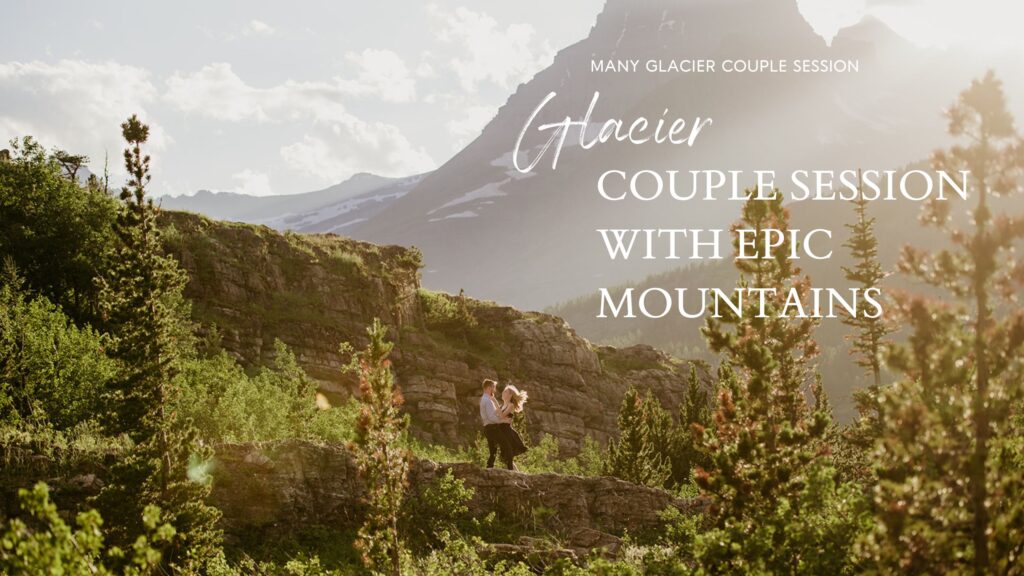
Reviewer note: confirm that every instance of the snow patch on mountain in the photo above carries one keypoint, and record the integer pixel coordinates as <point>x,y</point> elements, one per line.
<point>466,214</point>
<point>492,190</point>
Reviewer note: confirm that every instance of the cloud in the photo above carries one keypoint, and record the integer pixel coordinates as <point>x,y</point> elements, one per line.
<point>337,143</point>
<point>425,70</point>
<point>982,25</point>
<point>257,28</point>
<point>490,53</point>
<point>381,73</point>
<point>215,91</point>
<point>77,105</point>
<point>253,183</point>
<point>357,147</point>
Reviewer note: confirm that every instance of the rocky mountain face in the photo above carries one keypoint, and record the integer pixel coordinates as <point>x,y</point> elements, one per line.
<point>501,234</point>
<point>314,292</point>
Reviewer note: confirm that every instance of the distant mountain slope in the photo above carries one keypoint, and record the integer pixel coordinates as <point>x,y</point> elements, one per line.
<point>299,211</point>
<point>343,212</point>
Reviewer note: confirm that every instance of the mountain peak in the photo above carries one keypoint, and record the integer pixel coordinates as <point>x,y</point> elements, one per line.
<point>360,176</point>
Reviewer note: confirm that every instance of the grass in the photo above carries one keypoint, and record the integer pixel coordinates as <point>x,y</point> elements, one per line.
<point>31,445</point>
<point>619,362</point>
<point>264,550</point>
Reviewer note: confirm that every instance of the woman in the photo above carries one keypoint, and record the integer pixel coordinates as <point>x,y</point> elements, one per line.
<point>512,400</point>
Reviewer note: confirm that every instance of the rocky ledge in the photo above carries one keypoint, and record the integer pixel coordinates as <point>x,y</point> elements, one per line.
<point>282,487</point>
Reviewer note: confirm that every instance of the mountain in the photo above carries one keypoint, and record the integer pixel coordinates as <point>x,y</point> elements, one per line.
<point>327,210</point>
<point>529,239</point>
<point>345,211</point>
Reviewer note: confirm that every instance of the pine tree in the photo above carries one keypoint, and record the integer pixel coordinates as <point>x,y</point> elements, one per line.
<point>763,443</point>
<point>383,463</point>
<point>866,342</point>
<point>661,431</point>
<point>948,498</point>
<point>145,312</point>
<point>640,454</point>
<point>694,417</point>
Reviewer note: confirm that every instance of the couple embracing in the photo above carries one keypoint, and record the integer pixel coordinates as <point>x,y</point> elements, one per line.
<point>497,422</point>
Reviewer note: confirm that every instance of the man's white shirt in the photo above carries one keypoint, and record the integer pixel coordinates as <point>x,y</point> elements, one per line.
<point>488,410</point>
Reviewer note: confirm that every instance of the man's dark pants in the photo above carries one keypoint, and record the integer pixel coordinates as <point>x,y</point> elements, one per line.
<point>495,441</point>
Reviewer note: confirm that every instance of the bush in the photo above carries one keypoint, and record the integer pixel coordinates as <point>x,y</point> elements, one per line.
<point>47,545</point>
<point>441,507</point>
<point>544,458</point>
<point>818,540</point>
<point>446,313</point>
<point>278,402</point>
<point>51,371</point>
<point>63,449</point>
<point>461,556</point>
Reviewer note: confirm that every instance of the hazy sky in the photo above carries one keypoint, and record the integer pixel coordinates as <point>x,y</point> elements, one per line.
<point>268,97</point>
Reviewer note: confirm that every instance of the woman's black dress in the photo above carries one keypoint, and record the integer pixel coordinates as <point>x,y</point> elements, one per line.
<point>515,441</point>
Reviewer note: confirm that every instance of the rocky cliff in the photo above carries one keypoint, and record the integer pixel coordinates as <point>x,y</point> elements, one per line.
<point>290,485</point>
<point>315,291</point>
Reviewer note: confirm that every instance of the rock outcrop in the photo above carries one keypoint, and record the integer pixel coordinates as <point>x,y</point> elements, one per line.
<point>283,486</point>
<point>315,291</point>
<point>286,488</point>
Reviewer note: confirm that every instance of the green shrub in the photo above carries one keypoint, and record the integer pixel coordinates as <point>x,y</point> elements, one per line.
<point>444,312</point>
<point>25,443</point>
<point>44,544</point>
<point>51,371</point>
<point>460,556</point>
<point>441,507</point>
<point>818,540</point>
<point>279,402</point>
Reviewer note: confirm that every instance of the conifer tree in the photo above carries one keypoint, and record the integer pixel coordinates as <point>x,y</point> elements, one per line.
<point>763,442</point>
<point>661,431</point>
<point>866,342</point>
<point>694,415</point>
<point>383,462</point>
<point>635,455</point>
<point>948,499</point>
<point>145,312</point>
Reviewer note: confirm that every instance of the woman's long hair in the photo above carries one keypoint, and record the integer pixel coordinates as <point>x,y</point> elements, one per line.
<point>517,398</point>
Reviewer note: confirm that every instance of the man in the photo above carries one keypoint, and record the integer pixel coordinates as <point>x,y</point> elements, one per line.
<point>492,426</point>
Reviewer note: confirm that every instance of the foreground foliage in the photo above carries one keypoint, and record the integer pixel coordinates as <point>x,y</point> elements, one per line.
<point>948,477</point>
<point>45,544</point>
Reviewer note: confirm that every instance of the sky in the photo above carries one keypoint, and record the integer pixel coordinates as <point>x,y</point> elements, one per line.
<point>263,97</point>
